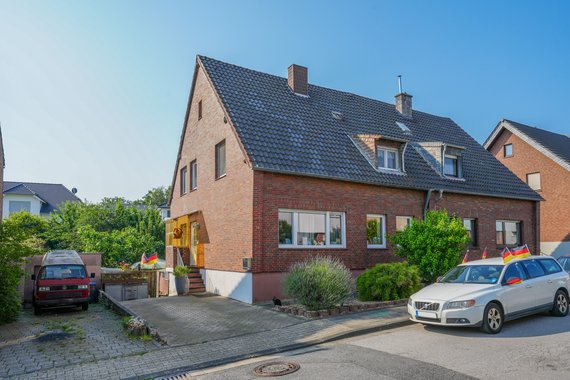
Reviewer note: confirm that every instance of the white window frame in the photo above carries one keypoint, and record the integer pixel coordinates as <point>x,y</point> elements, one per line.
<point>295,225</point>
<point>408,219</point>
<point>528,176</point>
<point>383,218</point>
<point>193,175</point>
<point>458,162</point>
<point>385,163</point>
<point>519,232</point>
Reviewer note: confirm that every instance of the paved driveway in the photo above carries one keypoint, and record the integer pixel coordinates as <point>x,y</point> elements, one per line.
<point>63,337</point>
<point>197,319</point>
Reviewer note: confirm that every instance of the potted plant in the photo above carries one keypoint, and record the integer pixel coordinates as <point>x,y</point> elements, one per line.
<point>181,279</point>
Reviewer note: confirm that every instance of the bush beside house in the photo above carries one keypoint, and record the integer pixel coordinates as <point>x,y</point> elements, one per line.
<point>434,245</point>
<point>319,283</point>
<point>388,282</point>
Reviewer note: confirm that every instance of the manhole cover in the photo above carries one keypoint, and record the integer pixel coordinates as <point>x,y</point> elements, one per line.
<point>275,369</point>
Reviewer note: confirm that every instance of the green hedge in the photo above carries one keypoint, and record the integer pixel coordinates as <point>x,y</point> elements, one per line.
<point>319,283</point>
<point>387,282</point>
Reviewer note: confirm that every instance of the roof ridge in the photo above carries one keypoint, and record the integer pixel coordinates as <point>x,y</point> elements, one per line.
<point>323,87</point>
<point>36,183</point>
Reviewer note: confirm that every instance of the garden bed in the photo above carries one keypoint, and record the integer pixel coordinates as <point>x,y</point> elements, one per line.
<point>353,307</point>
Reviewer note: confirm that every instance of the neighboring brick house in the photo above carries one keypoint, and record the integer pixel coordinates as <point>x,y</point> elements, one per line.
<point>274,170</point>
<point>542,159</point>
<point>36,198</point>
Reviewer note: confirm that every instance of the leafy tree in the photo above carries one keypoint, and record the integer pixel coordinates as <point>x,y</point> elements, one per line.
<point>156,196</point>
<point>433,245</point>
<point>16,244</point>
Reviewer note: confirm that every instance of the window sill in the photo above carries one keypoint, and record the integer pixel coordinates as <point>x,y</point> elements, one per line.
<point>376,246</point>
<point>289,246</point>
<point>194,189</point>
<point>222,176</point>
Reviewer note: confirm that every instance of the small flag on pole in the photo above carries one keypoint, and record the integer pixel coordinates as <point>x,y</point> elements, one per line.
<point>520,252</point>
<point>507,255</point>
<point>484,254</point>
<point>151,259</point>
<point>465,257</point>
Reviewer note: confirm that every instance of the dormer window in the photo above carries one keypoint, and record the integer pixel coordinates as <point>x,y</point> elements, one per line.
<point>451,166</point>
<point>388,158</point>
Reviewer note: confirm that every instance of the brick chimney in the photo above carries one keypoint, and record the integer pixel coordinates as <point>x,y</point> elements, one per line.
<point>298,79</point>
<point>404,104</point>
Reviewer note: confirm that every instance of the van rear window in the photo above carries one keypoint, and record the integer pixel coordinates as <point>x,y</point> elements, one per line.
<point>60,272</point>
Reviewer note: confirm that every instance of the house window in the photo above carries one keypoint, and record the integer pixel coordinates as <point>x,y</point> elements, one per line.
<point>471,228</point>
<point>193,175</point>
<point>533,181</point>
<point>183,179</point>
<point>200,110</point>
<point>508,233</point>
<point>451,166</point>
<point>17,206</point>
<point>387,158</point>
<point>311,229</point>
<point>402,222</point>
<point>221,159</point>
<point>508,150</point>
<point>376,231</point>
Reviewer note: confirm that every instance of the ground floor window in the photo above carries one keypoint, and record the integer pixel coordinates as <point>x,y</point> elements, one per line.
<point>311,229</point>
<point>376,231</point>
<point>17,206</point>
<point>402,222</point>
<point>470,225</point>
<point>508,232</point>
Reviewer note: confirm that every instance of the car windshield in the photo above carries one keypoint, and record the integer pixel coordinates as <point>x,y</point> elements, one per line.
<point>60,272</point>
<point>473,274</point>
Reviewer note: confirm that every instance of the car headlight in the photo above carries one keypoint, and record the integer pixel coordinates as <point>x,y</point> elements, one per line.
<point>43,288</point>
<point>82,287</point>
<point>460,304</point>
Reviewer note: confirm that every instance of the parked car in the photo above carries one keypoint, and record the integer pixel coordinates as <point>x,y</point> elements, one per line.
<point>61,281</point>
<point>486,293</point>
<point>565,262</point>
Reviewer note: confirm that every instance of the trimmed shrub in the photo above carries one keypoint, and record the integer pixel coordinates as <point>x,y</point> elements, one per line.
<point>388,282</point>
<point>319,283</point>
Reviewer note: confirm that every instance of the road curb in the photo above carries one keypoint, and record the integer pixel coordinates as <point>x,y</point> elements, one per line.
<point>180,371</point>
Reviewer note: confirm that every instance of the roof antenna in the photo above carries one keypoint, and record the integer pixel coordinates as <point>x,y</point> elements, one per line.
<point>400,83</point>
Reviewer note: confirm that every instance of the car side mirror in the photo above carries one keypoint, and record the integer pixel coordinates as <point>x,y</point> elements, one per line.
<point>514,281</point>
<point>33,277</point>
<point>92,275</point>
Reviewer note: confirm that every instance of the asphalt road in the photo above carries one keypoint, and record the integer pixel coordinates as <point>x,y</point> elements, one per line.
<point>536,347</point>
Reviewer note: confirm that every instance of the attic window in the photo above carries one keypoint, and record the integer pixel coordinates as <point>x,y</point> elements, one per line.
<point>403,127</point>
<point>337,115</point>
<point>388,158</point>
<point>451,166</point>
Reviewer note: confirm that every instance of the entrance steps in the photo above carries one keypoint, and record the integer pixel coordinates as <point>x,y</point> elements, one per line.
<point>196,285</point>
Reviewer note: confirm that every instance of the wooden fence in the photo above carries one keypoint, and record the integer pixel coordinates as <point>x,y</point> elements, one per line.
<point>155,279</point>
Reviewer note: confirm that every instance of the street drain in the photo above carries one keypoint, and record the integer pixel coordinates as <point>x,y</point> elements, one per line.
<point>275,369</point>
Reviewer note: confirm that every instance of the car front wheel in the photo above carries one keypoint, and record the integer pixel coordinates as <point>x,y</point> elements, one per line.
<point>560,307</point>
<point>493,318</point>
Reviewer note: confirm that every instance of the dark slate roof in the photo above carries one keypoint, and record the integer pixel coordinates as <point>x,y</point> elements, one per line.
<point>288,133</point>
<point>556,144</point>
<point>52,194</point>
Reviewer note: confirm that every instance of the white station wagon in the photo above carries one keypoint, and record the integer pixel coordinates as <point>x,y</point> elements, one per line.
<point>486,293</point>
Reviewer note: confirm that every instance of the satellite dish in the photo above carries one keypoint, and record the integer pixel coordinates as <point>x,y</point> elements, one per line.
<point>74,190</point>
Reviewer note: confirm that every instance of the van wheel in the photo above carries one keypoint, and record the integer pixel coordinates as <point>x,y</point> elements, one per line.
<point>493,318</point>
<point>85,306</point>
<point>560,307</point>
<point>37,310</point>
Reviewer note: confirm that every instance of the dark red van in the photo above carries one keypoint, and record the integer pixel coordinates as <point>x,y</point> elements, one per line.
<point>61,281</point>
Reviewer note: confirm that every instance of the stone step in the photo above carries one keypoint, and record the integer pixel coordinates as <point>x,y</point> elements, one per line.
<point>197,290</point>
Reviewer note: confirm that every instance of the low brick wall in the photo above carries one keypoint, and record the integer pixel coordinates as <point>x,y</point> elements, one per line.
<point>115,305</point>
<point>339,310</point>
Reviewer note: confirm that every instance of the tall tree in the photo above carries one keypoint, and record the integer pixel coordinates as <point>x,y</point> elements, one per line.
<point>156,196</point>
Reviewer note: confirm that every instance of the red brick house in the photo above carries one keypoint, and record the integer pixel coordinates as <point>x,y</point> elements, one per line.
<point>273,170</point>
<point>541,159</point>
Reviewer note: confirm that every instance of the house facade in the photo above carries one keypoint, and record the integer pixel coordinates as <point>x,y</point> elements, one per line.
<point>541,159</point>
<point>273,170</point>
<point>36,198</point>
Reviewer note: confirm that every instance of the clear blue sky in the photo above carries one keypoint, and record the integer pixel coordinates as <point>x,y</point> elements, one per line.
<point>93,94</point>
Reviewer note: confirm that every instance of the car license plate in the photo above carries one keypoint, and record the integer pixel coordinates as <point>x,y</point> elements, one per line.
<point>426,314</point>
